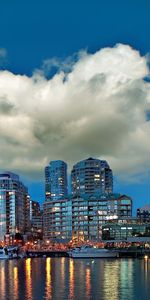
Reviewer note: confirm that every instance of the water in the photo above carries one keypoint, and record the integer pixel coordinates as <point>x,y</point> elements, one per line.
<point>64,278</point>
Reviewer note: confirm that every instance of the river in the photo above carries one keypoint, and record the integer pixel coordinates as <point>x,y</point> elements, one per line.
<point>79,279</point>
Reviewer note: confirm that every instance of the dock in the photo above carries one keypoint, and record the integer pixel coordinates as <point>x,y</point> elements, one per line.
<point>122,253</point>
<point>47,253</point>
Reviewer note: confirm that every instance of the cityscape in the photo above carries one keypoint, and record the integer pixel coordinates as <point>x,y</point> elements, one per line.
<point>89,211</point>
<point>74,150</point>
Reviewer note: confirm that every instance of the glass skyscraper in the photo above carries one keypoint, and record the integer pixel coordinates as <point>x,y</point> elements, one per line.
<point>56,201</point>
<point>14,206</point>
<point>56,180</point>
<point>91,176</point>
<point>91,204</point>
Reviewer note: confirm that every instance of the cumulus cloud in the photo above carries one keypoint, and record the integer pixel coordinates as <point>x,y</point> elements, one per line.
<point>95,105</point>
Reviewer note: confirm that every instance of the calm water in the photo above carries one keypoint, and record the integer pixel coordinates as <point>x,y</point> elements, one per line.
<point>64,278</point>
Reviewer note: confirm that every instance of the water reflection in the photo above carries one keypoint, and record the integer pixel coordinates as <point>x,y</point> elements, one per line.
<point>126,279</point>
<point>111,281</point>
<point>88,283</point>
<point>48,287</point>
<point>71,279</point>
<point>62,269</point>
<point>15,274</point>
<point>2,283</point>
<point>28,278</point>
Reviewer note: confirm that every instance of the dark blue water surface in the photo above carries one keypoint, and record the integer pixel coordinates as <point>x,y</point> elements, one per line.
<point>65,278</point>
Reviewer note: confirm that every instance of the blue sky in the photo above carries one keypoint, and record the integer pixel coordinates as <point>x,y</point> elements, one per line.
<point>34,31</point>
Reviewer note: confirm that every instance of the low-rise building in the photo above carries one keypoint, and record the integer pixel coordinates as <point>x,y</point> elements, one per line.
<point>126,231</point>
<point>143,214</point>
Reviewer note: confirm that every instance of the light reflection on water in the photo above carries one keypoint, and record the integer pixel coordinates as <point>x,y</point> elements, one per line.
<point>2,281</point>
<point>48,283</point>
<point>15,279</point>
<point>71,279</point>
<point>28,277</point>
<point>111,281</point>
<point>68,279</point>
<point>88,283</point>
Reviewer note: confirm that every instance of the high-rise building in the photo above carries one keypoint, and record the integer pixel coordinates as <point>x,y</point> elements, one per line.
<point>56,180</point>
<point>34,208</point>
<point>36,219</point>
<point>56,202</point>
<point>14,206</point>
<point>91,176</point>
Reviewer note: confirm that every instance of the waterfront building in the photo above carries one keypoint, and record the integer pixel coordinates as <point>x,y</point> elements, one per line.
<point>14,206</point>
<point>143,215</point>
<point>90,212</point>
<point>126,232</point>
<point>91,176</point>
<point>81,218</point>
<point>91,204</point>
<point>58,220</point>
<point>56,180</point>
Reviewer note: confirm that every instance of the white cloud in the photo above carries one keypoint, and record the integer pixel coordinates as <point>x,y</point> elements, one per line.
<point>99,108</point>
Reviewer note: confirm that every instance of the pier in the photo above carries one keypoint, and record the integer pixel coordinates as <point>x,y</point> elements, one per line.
<point>122,253</point>
<point>47,253</point>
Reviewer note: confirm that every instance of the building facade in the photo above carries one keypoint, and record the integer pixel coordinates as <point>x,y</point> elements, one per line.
<point>56,180</point>
<point>91,204</point>
<point>14,206</point>
<point>90,212</point>
<point>143,215</point>
<point>58,220</point>
<point>81,218</point>
<point>91,176</point>
<point>36,220</point>
<point>123,232</point>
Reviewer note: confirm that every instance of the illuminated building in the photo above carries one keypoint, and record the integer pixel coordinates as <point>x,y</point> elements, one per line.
<point>116,231</point>
<point>57,220</point>
<point>143,215</point>
<point>91,176</point>
<point>82,217</point>
<point>56,180</point>
<point>14,206</point>
<point>34,208</point>
<point>90,205</point>
<point>56,202</point>
<point>90,212</point>
<point>36,219</point>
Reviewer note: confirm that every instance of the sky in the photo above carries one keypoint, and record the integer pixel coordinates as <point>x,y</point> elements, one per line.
<point>74,83</point>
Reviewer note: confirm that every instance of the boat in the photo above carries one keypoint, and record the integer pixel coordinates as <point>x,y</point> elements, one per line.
<point>10,252</point>
<point>92,252</point>
<point>3,253</point>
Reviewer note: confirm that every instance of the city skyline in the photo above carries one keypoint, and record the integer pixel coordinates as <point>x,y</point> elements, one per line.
<point>52,183</point>
<point>74,87</point>
<point>74,149</point>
